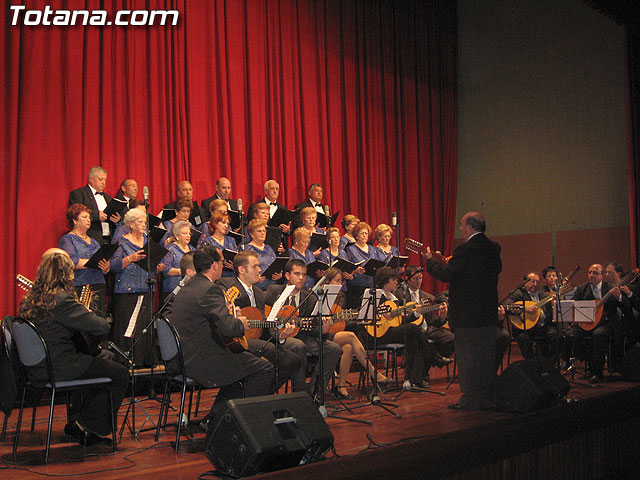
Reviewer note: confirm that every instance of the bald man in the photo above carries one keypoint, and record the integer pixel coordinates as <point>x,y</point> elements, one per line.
<point>185,190</point>
<point>223,192</point>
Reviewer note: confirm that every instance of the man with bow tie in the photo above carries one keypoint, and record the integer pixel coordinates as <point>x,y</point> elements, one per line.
<point>92,195</point>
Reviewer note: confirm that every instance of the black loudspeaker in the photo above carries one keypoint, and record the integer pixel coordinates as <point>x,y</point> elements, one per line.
<point>631,364</point>
<point>529,385</point>
<point>263,434</point>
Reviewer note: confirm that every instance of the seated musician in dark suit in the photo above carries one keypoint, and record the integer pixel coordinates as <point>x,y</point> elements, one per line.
<point>295,272</point>
<point>185,190</point>
<point>432,326</point>
<point>625,330</point>
<point>201,316</point>
<point>92,196</point>
<point>598,338</point>
<point>52,305</point>
<point>544,333</point>
<point>223,192</point>
<point>246,267</point>
<point>421,355</point>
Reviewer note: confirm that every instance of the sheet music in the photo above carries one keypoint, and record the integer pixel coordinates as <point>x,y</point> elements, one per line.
<point>366,312</point>
<point>332,292</point>
<point>585,311</point>
<point>277,306</point>
<point>134,318</point>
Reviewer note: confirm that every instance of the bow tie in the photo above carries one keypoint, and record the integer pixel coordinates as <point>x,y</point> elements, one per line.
<point>100,193</point>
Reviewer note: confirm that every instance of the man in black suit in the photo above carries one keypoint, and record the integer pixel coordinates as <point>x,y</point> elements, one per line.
<point>271,193</point>
<point>543,332</point>
<point>128,191</point>
<point>92,196</point>
<point>247,269</point>
<point>200,314</point>
<point>223,192</point>
<point>472,273</point>
<point>185,190</point>
<point>315,194</point>
<point>598,338</point>
<point>295,271</point>
<point>432,324</point>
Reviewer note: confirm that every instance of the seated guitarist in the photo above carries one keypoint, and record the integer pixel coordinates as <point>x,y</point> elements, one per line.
<point>597,338</point>
<point>420,354</point>
<point>246,266</point>
<point>543,332</point>
<point>295,272</point>
<point>200,314</point>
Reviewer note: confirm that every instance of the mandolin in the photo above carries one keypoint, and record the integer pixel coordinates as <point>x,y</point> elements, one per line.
<point>419,248</point>
<point>233,344</point>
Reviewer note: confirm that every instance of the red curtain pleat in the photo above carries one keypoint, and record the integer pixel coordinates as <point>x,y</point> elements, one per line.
<point>359,96</point>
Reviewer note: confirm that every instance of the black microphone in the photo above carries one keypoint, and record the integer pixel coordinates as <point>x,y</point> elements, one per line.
<point>114,347</point>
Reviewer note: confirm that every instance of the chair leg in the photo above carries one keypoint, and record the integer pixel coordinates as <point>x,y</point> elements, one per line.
<point>4,427</point>
<point>15,440</point>
<point>53,399</point>
<point>162,407</point>
<point>198,400</point>
<point>37,394</point>
<point>182,396</point>
<point>113,419</point>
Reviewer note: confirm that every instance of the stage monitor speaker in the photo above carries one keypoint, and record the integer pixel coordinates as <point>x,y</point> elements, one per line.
<point>263,434</point>
<point>529,385</point>
<point>631,364</point>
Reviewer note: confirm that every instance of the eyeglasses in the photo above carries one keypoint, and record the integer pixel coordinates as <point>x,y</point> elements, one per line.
<point>594,272</point>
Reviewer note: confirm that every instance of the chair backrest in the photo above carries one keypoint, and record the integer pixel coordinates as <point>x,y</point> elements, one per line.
<point>167,339</point>
<point>29,343</point>
<point>7,337</point>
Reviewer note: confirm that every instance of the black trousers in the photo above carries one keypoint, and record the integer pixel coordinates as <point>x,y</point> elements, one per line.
<point>90,408</point>
<point>285,361</point>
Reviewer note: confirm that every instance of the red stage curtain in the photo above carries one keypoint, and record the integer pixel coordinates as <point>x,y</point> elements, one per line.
<point>358,95</point>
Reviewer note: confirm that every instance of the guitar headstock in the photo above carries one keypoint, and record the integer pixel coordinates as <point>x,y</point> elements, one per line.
<point>347,315</point>
<point>414,246</point>
<point>571,274</point>
<point>230,296</point>
<point>24,283</point>
<point>383,309</point>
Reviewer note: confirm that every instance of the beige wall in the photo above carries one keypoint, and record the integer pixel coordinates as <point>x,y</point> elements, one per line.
<point>542,140</point>
<point>542,116</point>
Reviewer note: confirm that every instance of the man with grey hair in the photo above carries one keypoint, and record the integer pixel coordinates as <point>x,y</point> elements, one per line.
<point>128,191</point>
<point>271,193</point>
<point>92,196</point>
<point>472,274</point>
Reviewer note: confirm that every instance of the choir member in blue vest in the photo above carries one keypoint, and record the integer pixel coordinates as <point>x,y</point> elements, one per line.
<point>309,217</point>
<point>178,246</point>
<point>300,251</point>
<point>349,222</point>
<point>257,230</point>
<point>360,252</point>
<point>183,212</point>
<point>80,248</point>
<point>219,226</point>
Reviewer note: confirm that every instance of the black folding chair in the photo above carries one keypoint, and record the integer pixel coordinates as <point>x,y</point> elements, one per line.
<point>32,350</point>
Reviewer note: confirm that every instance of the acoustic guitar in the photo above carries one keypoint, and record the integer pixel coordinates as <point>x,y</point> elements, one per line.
<point>514,310</point>
<point>84,342</point>
<point>626,280</point>
<point>233,344</point>
<point>390,316</point>
<point>419,248</point>
<point>308,323</point>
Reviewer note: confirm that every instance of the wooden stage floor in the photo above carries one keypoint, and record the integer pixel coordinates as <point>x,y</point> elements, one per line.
<point>427,438</point>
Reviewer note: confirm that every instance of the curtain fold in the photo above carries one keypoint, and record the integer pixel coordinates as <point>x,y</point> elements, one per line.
<point>359,96</point>
<point>633,138</point>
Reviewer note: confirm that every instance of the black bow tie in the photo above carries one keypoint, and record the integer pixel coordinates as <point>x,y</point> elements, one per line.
<point>100,193</point>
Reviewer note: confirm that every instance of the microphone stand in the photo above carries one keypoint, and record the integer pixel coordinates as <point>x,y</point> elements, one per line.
<point>376,392</point>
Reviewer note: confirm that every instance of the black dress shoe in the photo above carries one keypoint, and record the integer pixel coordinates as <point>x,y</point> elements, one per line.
<point>441,361</point>
<point>422,386</point>
<point>341,396</point>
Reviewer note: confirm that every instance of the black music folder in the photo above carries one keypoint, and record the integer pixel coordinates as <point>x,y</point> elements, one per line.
<point>313,268</point>
<point>156,233</point>
<point>372,265</point>
<point>282,217</point>
<point>236,236</point>
<point>397,261</point>
<point>345,265</point>
<point>322,219</point>
<point>234,218</point>
<point>195,237</point>
<point>116,206</point>
<point>158,252</point>
<point>167,214</point>
<point>276,266</point>
<point>154,221</point>
<point>318,240</point>
<point>274,238</point>
<point>104,253</point>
